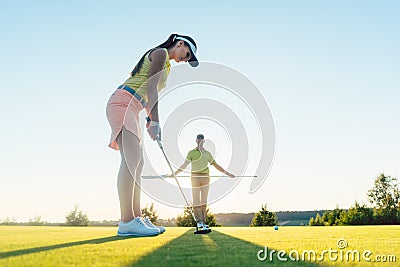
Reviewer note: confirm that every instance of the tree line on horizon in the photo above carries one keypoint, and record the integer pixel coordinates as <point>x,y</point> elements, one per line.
<point>384,198</point>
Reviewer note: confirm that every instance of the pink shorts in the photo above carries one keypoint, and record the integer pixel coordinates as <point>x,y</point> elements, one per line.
<point>123,110</point>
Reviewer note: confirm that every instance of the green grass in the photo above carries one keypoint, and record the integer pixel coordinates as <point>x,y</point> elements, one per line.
<point>225,246</point>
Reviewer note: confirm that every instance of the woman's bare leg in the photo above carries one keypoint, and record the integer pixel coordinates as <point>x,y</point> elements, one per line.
<point>137,188</point>
<point>130,158</point>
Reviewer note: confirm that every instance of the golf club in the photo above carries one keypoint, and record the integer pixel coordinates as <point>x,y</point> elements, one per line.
<point>182,176</point>
<point>180,188</point>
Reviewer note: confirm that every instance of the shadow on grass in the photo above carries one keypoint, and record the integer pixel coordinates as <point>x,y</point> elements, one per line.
<point>214,249</point>
<point>57,246</point>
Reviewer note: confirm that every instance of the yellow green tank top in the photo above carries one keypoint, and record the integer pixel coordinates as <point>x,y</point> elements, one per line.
<point>200,160</point>
<point>138,82</point>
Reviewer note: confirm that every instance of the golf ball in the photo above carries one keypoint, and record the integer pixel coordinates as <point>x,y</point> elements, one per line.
<point>276,227</point>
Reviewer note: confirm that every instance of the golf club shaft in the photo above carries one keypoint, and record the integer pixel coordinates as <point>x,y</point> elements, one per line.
<point>172,171</point>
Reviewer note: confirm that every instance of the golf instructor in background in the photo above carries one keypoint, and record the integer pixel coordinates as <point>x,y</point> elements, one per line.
<point>138,92</point>
<point>200,176</point>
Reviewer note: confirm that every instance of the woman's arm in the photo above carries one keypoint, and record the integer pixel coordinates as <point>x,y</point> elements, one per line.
<point>157,62</point>
<point>215,164</point>
<point>181,168</point>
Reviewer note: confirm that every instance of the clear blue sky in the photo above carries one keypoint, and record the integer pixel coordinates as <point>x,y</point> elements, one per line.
<point>329,71</point>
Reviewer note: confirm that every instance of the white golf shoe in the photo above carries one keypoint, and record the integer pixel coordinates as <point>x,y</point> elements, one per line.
<point>151,225</point>
<point>206,227</point>
<point>200,226</point>
<point>136,227</point>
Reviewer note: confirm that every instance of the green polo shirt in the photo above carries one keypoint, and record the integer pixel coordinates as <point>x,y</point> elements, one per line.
<point>200,160</point>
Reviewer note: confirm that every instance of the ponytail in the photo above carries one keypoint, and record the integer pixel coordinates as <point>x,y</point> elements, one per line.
<point>171,41</point>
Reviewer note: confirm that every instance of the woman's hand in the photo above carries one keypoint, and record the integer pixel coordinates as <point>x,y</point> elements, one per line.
<point>230,174</point>
<point>154,130</point>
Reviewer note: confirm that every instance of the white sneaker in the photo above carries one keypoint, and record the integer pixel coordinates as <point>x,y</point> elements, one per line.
<point>151,225</point>
<point>206,227</point>
<point>136,227</point>
<point>200,226</point>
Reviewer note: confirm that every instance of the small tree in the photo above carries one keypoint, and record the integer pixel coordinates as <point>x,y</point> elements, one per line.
<point>332,217</point>
<point>77,218</point>
<point>36,221</point>
<point>211,220</point>
<point>9,221</point>
<point>150,212</point>
<point>385,192</point>
<point>187,220</point>
<point>317,221</point>
<point>359,214</point>
<point>264,217</point>
<point>385,198</point>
